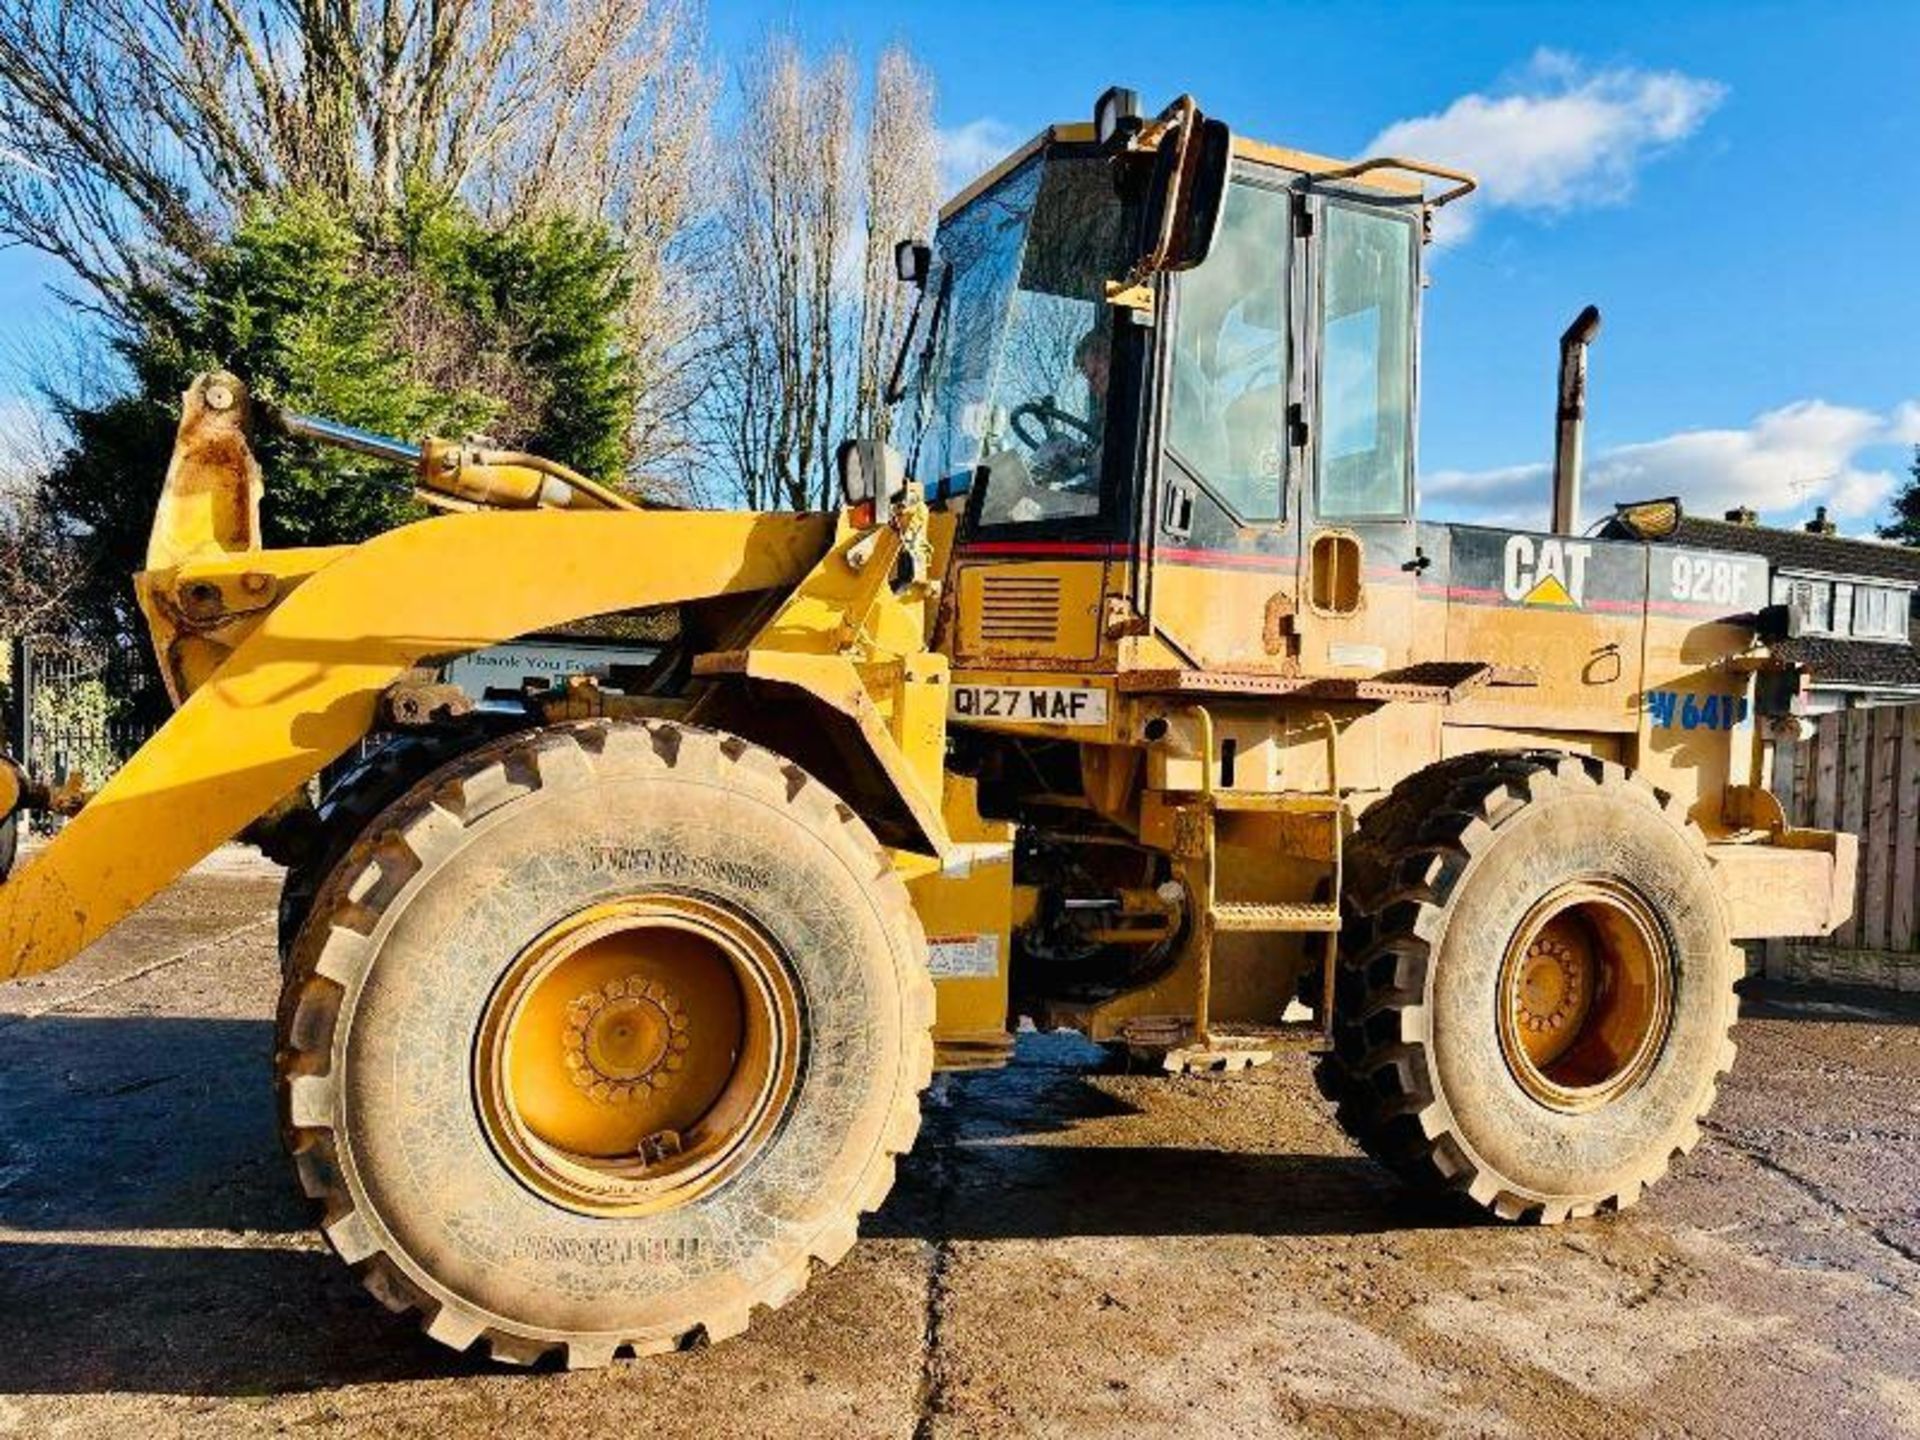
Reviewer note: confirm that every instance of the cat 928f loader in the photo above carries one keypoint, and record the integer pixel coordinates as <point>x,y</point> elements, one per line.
<point>1125,691</point>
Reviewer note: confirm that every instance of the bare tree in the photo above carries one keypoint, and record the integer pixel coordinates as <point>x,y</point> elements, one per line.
<point>133,131</point>
<point>805,307</point>
<point>902,189</point>
<point>152,119</point>
<point>786,214</point>
<point>41,569</point>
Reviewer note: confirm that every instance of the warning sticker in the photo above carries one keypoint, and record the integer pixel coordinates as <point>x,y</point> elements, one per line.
<point>963,957</point>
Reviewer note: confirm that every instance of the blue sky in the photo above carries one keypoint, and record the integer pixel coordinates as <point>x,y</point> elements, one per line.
<point>1734,186</point>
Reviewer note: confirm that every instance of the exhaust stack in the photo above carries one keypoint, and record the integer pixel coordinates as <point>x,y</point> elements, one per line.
<point>1571,419</point>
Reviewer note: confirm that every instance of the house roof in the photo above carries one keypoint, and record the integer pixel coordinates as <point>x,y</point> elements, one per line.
<point>1845,663</point>
<point>1791,549</point>
<point>1803,550</point>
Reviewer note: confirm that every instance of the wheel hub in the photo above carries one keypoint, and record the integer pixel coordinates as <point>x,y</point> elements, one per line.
<point>631,1032</point>
<point>1554,987</point>
<point>1585,995</point>
<point>635,1053</point>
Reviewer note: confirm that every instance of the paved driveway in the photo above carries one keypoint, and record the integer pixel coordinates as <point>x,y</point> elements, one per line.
<point>1068,1252</point>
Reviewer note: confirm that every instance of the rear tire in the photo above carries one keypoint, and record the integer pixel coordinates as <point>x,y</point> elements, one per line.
<point>763,971</point>
<point>1391,823</point>
<point>1536,1014</point>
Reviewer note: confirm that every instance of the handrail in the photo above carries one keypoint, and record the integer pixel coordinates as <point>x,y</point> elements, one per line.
<point>1464,184</point>
<point>1207,760</point>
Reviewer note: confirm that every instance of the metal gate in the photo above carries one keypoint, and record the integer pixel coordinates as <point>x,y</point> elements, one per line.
<point>75,712</point>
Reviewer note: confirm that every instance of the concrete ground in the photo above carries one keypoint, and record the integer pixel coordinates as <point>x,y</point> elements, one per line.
<point>1069,1252</point>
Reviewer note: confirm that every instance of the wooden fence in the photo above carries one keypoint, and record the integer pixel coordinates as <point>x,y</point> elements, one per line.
<point>1861,772</point>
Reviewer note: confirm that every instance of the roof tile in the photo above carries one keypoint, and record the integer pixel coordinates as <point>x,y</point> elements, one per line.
<point>1803,550</point>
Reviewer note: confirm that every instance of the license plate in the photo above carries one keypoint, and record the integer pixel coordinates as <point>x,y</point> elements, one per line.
<point>1038,704</point>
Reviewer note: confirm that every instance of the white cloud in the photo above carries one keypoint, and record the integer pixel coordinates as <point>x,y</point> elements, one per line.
<point>970,150</point>
<point>1558,138</point>
<point>1904,428</point>
<point>1783,464</point>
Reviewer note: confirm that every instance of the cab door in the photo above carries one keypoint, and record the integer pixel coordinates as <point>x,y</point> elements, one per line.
<point>1360,566</point>
<point>1220,530</point>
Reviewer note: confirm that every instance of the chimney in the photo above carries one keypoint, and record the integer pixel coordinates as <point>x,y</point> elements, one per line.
<point>1820,524</point>
<point>1743,515</point>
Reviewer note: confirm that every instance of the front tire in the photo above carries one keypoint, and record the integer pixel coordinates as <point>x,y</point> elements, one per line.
<point>366,788</point>
<point>601,1037</point>
<point>1538,1011</point>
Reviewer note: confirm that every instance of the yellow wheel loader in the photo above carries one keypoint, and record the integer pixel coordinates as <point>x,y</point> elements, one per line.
<point>1125,692</point>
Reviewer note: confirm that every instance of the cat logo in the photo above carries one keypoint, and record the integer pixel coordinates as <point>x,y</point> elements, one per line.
<point>1546,570</point>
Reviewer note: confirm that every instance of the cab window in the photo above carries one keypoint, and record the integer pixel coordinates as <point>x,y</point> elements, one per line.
<point>1010,388</point>
<point>1226,413</point>
<point>1366,364</point>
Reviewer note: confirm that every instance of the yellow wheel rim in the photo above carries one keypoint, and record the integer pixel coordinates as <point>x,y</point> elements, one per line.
<point>1585,995</point>
<point>637,1053</point>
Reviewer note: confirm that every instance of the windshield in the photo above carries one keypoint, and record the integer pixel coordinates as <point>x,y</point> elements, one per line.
<point>1007,366</point>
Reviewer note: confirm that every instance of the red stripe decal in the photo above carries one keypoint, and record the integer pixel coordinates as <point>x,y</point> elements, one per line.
<point>1168,554</point>
<point>1698,609</point>
<point>1701,609</point>
<point>1224,559</point>
<point>1108,550</point>
<point>1045,549</point>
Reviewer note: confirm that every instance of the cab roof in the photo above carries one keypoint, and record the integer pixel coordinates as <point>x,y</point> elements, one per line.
<point>1387,182</point>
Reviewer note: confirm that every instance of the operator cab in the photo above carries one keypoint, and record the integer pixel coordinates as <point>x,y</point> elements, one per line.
<point>1149,436</point>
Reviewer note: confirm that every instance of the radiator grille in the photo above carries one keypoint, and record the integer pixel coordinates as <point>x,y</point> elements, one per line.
<point>1020,609</point>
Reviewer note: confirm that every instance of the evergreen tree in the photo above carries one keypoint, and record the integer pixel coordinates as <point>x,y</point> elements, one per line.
<point>424,320</point>
<point>1906,508</point>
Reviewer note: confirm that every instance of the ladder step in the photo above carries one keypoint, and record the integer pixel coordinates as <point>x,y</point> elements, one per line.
<point>1284,802</point>
<point>1281,916</point>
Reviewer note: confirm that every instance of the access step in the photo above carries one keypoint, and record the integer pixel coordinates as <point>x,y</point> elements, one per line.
<point>1233,1048</point>
<point>1291,917</point>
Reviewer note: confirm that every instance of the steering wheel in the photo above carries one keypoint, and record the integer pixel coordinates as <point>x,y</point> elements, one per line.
<point>1052,421</point>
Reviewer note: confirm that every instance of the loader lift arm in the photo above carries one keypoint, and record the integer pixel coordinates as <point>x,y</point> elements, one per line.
<point>281,667</point>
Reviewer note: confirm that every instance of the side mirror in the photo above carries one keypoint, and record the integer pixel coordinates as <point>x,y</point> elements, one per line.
<point>1116,116</point>
<point>1186,190</point>
<point>912,260</point>
<point>871,470</point>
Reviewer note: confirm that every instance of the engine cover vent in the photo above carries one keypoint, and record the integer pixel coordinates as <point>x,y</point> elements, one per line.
<point>1020,609</point>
